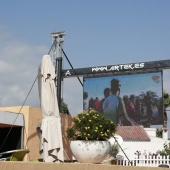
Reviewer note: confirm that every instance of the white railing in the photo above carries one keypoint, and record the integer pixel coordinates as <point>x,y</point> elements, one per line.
<point>152,161</point>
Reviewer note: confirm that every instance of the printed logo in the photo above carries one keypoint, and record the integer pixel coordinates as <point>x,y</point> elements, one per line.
<point>68,73</point>
<point>156,79</point>
<point>119,67</point>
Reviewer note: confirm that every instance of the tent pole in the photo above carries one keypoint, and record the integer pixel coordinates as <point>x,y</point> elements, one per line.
<point>59,69</point>
<point>57,54</point>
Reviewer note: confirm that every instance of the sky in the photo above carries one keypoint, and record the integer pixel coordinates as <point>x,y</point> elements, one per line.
<point>98,32</point>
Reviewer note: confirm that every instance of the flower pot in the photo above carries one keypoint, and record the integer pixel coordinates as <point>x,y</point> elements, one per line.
<point>90,151</point>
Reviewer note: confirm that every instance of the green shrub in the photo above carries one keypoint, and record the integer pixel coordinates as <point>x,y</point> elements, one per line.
<point>91,125</point>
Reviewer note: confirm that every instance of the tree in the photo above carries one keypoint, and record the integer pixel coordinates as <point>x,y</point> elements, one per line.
<point>166,99</point>
<point>159,133</point>
<point>149,99</point>
<point>166,103</point>
<point>165,151</point>
<point>64,107</point>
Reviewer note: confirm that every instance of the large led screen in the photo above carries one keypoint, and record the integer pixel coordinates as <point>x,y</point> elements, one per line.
<point>134,99</point>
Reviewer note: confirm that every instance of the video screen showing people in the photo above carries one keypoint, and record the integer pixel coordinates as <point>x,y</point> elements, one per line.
<point>134,99</point>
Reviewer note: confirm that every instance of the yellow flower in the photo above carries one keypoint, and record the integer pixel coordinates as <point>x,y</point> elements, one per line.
<point>86,138</point>
<point>89,120</point>
<point>88,134</point>
<point>96,127</point>
<point>100,125</point>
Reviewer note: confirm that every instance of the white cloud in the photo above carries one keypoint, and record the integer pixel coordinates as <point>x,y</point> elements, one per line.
<point>5,67</point>
<point>5,34</point>
<point>18,69</point>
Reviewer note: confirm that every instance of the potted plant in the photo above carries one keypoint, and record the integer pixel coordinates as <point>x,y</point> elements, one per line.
<point>89,136</point>
<point>114,150</point>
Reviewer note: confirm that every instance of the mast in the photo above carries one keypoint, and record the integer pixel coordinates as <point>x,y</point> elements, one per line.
<point>57,41</point>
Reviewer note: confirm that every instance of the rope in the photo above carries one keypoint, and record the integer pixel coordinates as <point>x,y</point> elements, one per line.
<point>122,150</point>
<point>54,43</point>
<point>69,62</point>
<point>52,47</point>
<point>18,115</point>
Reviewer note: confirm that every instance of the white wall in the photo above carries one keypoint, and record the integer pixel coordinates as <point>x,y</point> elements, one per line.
<point>151,132</point>
<point>10,118</point>
<point>152,146</point>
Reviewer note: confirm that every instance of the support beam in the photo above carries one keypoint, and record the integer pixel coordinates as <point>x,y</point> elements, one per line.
<point>116,69</point>
<point>57,38</point>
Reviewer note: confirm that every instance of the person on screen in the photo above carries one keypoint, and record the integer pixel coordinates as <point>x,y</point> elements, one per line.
<point>85,101</point>
<point>91,103</point>
<point>126,102</point>
<point>97,103</point>
<point>131,106</point>
<point>106,93</point>
<point>114,107</point>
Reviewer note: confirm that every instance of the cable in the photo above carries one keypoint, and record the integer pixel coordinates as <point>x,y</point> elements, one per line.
<point>18,115</point>
<point>69,63</point>
<point>55,42</point>
<point>122,150</point>
<point>52,47</point>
